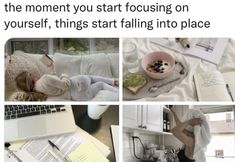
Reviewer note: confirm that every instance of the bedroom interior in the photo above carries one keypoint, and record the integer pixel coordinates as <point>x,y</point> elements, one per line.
<point>73,56</point>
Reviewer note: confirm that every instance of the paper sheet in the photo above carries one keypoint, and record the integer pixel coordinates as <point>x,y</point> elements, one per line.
<point>102,147</point>
<point>37,150</point>
<point>115,138</point>
<point>9,158</point>
<point>16,145</point>
<point>210,86</point>
<point>87,152</point>
<point>210,49</point>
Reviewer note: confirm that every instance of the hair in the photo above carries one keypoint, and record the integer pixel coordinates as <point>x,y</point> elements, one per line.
<point>24,81</point>
<point>28,96</point>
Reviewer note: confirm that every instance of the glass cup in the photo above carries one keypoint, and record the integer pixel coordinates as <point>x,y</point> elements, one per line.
<point>130,57</point>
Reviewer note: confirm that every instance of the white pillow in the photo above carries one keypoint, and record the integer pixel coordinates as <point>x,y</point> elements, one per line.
<point>105,95</point>
<point>36,59</point>
<point>94,64</point>
<point>67,64</point>
<point>114,64</point>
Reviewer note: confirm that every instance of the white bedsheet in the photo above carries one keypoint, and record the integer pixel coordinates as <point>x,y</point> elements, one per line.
<point>185,91</point>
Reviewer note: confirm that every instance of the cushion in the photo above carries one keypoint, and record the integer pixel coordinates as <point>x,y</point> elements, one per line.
<point>42,67</point>
<point>94,64</point>
<point>67,64</point>
<point>114,64</point>
<point>102,95</point>
<point>105,95</point>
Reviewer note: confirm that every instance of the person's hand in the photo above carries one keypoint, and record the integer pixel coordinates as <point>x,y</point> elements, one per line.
<point>67,82</point>
<point>170,107</point>
<point>116,82</point>
<point>195,121</point>
<point>63,75</point>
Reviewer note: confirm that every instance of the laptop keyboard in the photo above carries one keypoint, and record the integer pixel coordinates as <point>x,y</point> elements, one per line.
<point>19,111</point>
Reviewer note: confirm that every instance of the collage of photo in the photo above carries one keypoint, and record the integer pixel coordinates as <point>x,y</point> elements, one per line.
<point>119,100</point>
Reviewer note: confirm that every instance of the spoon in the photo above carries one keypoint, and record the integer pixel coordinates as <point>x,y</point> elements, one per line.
<point>155,87</point>
<point>182,68</point>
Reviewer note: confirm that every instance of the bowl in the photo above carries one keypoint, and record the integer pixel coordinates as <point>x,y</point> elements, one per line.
<point>158,65</point>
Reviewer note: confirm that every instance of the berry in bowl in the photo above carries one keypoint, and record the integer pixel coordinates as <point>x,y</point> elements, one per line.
<point>158,65</point>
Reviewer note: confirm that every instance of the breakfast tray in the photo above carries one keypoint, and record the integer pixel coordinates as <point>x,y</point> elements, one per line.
<point>165,85</point>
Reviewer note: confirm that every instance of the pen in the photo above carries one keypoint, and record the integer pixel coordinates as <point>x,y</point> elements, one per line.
<point>53,145</point>
<point>57,151</point>
<point>55,156</point>
<point>229,92</point>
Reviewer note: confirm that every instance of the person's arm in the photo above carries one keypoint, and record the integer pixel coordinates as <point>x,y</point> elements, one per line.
<point>61,83</point>
<point>180,131</point>
<point>109,81</point>
<point>177,121</point>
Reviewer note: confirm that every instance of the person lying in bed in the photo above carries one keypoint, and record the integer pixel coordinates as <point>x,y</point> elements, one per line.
<point>76,88</point>
<point>185,136</point>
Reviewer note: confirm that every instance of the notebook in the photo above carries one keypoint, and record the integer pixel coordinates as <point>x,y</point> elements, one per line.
<point>215,86</point>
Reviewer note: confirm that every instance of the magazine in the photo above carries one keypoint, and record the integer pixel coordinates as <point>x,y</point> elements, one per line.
<point>210,49</point>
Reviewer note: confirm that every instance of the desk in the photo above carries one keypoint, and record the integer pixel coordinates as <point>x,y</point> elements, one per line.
<point>99,129</point>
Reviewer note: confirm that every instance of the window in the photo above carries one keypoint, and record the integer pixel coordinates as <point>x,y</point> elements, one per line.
<point>222,145</point>
<point>39,46</point>
<point>73,46</point>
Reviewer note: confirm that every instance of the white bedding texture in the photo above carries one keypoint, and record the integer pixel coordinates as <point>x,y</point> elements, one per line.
<point>185,91</point>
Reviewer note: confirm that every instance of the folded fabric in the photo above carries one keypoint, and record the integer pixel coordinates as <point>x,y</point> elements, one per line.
<point>201,133</point>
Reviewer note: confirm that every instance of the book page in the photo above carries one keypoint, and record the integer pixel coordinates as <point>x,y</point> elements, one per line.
<point>87,152</point>
<point>100,146</point>
<point>37,150</point>
<point>229,78</point>
<point>210,86</point>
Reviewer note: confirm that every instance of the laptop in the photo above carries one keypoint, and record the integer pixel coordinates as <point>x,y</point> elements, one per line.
<point>34,121</point>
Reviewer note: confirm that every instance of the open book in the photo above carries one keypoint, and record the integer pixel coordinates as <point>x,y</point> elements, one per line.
<point>210,49</point>
<point>215,86</point>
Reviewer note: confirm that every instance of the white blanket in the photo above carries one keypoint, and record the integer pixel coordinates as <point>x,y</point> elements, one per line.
<point>201,133</point>
<point>186,89</point>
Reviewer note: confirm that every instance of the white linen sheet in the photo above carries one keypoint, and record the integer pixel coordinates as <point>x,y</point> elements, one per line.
<point>185,91</point>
